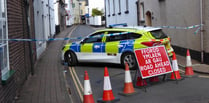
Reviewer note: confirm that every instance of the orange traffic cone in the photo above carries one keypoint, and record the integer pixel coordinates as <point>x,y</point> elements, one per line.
<point>128,85</point>
<point>87,97</point>
<point>140,82</point>
<point>188,69</point>
<point>107,90</point>
<point>175,75</point>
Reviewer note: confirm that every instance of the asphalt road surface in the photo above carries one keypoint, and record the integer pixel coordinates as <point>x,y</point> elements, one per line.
<point>187,90</point>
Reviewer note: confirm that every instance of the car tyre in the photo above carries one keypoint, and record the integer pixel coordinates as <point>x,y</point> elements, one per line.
<point>130,59</point>
<point>70,58</point>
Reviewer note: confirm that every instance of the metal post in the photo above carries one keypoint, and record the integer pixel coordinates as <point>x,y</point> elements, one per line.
<point>201,32</point>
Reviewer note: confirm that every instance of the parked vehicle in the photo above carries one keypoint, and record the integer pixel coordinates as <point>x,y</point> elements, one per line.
<point>115,45</point>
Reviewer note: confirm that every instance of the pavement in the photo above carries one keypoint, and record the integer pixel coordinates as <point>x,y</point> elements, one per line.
<point>48,84</point>
<point>196,65</point>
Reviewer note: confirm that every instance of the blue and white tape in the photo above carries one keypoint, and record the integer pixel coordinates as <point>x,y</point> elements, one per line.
<point>56,39</point>
<point>184,28</point>
<point>77,38</point>
<point>177,27</point>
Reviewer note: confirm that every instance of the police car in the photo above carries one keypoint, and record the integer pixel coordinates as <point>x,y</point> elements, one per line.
<point>114,45</point>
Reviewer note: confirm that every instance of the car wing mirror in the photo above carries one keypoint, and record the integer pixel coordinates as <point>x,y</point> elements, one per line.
<point>82,42</point>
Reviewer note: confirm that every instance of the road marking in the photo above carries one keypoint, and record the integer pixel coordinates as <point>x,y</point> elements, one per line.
<point>78,80</point>
<point>74,74</point>
<point>68,87</point>
<point>69,35</point>
<point>76,85</point>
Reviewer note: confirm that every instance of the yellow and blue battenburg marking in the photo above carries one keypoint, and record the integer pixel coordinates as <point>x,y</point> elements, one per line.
<point>86,47</point>
<point>75,47</point>
<point>109,47</point>
<point>126,45</point>
<point>112,47</point>
<point>98,47</point>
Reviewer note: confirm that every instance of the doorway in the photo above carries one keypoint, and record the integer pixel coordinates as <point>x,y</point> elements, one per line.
<point>148,18</point>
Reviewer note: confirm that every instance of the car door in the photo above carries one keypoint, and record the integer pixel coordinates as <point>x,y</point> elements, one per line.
<point>115,45</point>
<point>112,46</point>
<point>91,48</point>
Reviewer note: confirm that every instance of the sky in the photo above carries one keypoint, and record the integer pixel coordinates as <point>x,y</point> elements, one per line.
<point>96,4</point>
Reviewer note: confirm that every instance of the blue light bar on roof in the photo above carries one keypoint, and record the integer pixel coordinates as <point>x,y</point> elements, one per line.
<point>115,25</point>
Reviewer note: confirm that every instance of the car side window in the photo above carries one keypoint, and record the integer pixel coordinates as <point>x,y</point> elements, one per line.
<point>123,37</point>
<point>158,34</point>
<point>133,36</point>
<point>97,37</point>
<point>115,37</point>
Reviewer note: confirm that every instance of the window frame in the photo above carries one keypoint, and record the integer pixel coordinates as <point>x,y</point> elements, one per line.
<point>92,35</point>
<point>108,7</point>
<point>119,5</point>
<point>142,14</point>
<point>127,36</point>
<point>4,44</point>
<point>127,7</point>
<point>113,5</point>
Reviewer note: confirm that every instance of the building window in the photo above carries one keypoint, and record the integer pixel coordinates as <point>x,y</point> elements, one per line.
<point>108,7</point>
<point>119,4</point>
<point>113,7</point>
<point>126,12</point>
<point>141,11</point>
<point>81,12</point>
<point>4,56</point>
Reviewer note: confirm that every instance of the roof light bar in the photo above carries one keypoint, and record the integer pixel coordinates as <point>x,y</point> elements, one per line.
<point>115,25</point>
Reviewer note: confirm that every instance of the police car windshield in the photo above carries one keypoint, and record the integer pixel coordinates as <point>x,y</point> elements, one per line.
<point>158,34</point>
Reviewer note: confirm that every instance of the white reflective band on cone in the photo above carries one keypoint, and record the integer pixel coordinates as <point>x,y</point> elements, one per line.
<point>87,88</point>
<point>127,77</point>
<point>107,84</point>
<point>175,65</point>
<point>188,61</point>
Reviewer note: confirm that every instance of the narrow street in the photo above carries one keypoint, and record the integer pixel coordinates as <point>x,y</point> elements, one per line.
<point>56,83</point>
<point>68,51</point>
<point>187,90</point>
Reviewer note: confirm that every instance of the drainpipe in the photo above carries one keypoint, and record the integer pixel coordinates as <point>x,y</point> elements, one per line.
<point>29,36</point>
<point>105,13</point>
<point>49,8</point>
<point>201,32</point>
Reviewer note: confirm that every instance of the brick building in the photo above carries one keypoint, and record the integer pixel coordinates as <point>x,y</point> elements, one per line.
<point>17,58</point>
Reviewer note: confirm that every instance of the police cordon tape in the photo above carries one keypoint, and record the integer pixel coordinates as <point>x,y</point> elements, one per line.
<point>77,38</point>
<point>55,39</point>
<point>184,28</point>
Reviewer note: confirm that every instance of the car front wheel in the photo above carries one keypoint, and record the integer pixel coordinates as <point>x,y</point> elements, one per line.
<point>130,59</point>
<point>70,58</point>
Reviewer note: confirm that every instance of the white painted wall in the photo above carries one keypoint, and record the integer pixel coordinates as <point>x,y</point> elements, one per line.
<point>39,27</point>
<point>97,20</point>
<point>129,18</point>
<point>52,18</point>
<point>76,14</point>
<point>44,23</point>
<point>69,9</point>
<point>46,18</point>
<point>56,17</point>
